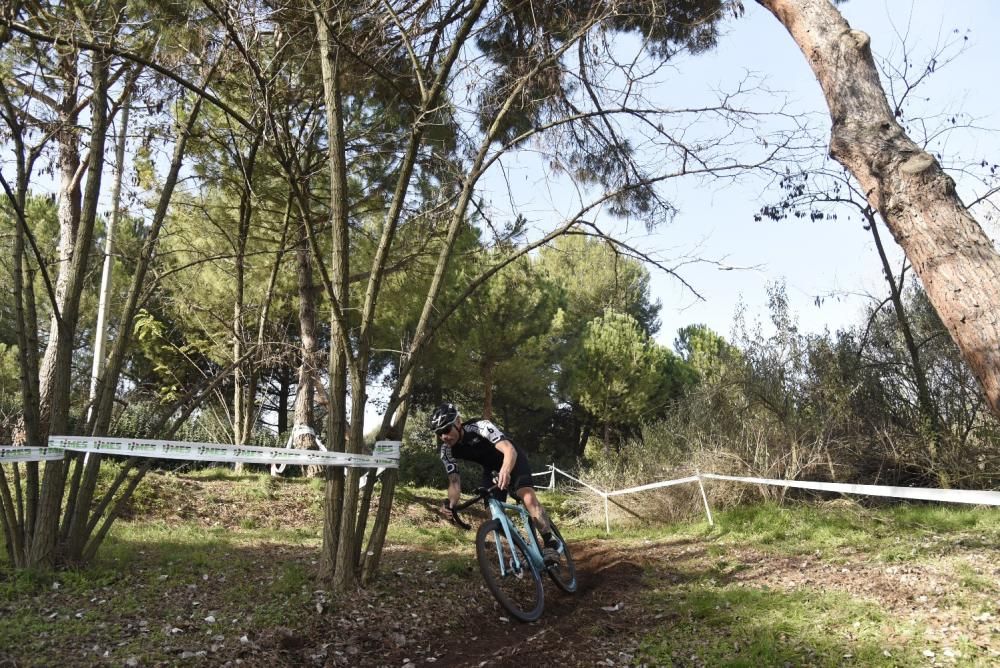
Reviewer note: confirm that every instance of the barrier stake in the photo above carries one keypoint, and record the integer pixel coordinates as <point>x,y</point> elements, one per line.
<point>704,499</point>
<point>552,480</point>
<point>607,520</point>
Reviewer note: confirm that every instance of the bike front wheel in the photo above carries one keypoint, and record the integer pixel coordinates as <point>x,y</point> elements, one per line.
<point>511,577</point>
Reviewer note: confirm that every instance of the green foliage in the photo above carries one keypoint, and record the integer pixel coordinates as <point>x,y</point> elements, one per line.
<point>530,82</point>
<point>622,373</point>
<point>843,406</point>
<point>505,331</point>
<point>595,278</point>
<point>708,353</point>
<point>10,391</point>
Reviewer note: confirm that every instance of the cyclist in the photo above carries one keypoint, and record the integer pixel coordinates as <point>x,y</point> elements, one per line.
<point>481,441</point>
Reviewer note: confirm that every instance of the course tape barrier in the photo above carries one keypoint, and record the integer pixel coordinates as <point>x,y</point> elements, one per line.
<point>387,452</point>
<point>655,485</point>
<point>977,497</point>
<point>18,454</point>
<point>577,480</point>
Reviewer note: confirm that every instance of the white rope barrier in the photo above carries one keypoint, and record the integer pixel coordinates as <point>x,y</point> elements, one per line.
<point>577,480</point>
<point>976,497</point>
<point>551,472</point>
<point>386,455</point>
<point>655,485</point>
<point>603,494</point>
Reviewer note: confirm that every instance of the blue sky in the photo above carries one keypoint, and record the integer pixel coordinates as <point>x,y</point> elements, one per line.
<point>833,258</point>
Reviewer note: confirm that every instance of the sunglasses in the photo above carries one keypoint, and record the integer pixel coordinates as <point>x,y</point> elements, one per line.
<point>443,430</point>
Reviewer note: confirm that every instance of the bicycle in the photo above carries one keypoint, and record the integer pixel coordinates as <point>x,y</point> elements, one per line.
<point>510,564</point>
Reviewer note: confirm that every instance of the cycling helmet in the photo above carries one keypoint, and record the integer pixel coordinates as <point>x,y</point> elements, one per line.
<point>443,417</point>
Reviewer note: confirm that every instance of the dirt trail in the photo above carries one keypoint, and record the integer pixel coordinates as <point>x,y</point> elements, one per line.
<point>574,630</point>
<point>601,624</point>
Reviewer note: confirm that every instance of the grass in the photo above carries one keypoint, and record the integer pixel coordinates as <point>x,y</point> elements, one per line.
<point>162,582</point>
<point>899,533</point>
<point>741,627</point>
<point>712,617</point>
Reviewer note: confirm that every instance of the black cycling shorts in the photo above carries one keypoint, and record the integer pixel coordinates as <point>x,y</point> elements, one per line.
<point>520,477</point>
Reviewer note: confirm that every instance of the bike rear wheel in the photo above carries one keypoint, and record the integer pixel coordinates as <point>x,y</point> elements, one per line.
<point>563,572</point>
<point>516,586</point>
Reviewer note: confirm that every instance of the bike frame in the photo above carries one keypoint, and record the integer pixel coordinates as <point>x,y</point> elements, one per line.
<point>500,512</point>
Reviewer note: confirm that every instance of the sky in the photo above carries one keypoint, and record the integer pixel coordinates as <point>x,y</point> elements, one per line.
<point>835,259</point>
<point>832,259</point>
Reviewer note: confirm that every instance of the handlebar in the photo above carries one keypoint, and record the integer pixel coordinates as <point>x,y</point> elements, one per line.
<point>480,494</point>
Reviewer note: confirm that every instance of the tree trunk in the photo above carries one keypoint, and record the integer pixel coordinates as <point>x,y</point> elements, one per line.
<point>308,368</point>
<point>76,223</point>
<point>108,380</point>
<point>955,260</point>
<point>334,509</point>
<point>240,398</point>
<point>925,404</point>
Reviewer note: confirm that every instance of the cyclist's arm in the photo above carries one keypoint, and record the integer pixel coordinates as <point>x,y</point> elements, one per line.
<point>454,489</point>
<point>451,469</point>
<point>509,459</point>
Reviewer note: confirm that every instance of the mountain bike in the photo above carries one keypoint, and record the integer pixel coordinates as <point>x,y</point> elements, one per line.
<point>509,552</point>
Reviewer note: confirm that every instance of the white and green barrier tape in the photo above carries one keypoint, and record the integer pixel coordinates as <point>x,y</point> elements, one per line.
<point>386,453</point>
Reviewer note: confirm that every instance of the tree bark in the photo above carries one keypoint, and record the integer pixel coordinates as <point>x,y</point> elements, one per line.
<point>955,260</point>
<point>305,392</point>
<point>334,525</point>
<point>244,375</point>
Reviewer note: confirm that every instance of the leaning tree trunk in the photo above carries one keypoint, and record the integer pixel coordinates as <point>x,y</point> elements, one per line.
<point>925,403</point>
<point>957,263</point>
<point>305,392</point>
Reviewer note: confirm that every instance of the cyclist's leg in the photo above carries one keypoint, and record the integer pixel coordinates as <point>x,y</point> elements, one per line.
<point>549,544</point>
<point>535,509</point>
<point>521,481</point>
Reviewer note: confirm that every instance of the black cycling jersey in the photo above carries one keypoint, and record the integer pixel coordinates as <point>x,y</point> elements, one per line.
<point>478,444</point>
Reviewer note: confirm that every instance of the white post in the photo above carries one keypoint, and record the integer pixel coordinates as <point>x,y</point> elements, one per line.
<point>552,480</point>
<point>607,520</point>
<point>704,499</point>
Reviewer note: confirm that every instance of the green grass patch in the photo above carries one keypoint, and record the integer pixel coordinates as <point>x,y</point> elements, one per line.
<point>706,625</point>
<point>431,537</point>
<point>898,533</point>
